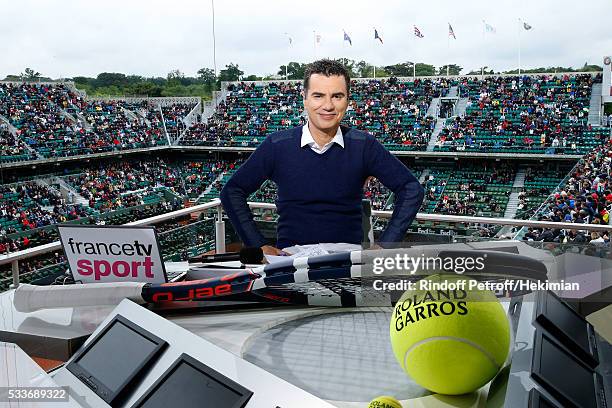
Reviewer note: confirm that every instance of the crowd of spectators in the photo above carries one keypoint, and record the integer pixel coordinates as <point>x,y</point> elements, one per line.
<point>29,205</point>
<point>174,116</point>
<point>248,113</point>
<point>200,175</point>
<point>55,121</point>
<point>543,112</point>
<point>105,186</point>
<point>378,194</point>
<point>111,126</point>
<point>586,198</point>
<point>12,149</point>
<point>394,111</point>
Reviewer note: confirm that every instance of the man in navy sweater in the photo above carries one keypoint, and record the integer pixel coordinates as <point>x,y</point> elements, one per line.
<point>320,169</point>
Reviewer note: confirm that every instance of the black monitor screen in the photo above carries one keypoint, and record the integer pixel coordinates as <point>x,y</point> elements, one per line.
<point>115,357</point>
<point>189,383</point>
<point>562,374</point>
<point>567,326</point>
<point>537,400</point>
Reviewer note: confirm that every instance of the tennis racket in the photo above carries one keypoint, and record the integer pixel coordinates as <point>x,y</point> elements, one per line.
<point>344,280</point>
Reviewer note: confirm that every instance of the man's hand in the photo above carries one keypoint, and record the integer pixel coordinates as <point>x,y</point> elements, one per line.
<point>270,250</point>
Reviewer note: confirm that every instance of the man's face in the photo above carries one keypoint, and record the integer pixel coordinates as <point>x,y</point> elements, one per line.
<point>326,101</point>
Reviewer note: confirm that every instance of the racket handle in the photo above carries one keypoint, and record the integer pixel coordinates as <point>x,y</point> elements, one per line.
<point>28,298</point>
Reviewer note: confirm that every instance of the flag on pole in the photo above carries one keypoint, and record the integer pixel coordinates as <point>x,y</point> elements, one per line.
<point>451,33</point>
<point>489,28</point>
<point>347,38</point>
<point>418,33</point>
<point>318,38</point>
<point>526,26</point>
<point>377,37</point>
<point>290,39</point>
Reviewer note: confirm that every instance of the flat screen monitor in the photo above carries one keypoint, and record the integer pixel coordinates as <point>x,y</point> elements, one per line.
<point>565,324</point>
<point>189,383</point>
<point>566,377</point>
<point>537,400</point>
<point>115,357</point>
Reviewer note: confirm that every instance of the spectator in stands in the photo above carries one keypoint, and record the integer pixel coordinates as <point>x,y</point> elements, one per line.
<point>320,170</point>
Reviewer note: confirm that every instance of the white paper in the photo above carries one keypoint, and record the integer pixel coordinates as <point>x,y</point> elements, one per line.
<point>302,251</point>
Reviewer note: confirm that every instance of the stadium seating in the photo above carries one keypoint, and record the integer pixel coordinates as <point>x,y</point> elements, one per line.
<point>542,114</point>
<point>13,150</point>
<point>174,116</point>
<point>54,121</point>
<point>394,111</point>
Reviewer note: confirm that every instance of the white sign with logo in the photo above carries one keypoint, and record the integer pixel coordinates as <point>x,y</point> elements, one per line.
<point>99,254</point>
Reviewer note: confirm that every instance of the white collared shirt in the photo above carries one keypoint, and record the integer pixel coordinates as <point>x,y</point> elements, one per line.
<point>307,139</point>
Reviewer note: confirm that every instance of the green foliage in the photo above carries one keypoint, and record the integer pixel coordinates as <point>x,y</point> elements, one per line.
<point>608,108</point>
<point>403,69</point>
<point>231,73</point>
<point>206,76</point>
<point>30,75</point>
<point>110,78</point>
<point>453,69</point>
<point>364,69</point>
<point>176,83</point>
<point>553,70</point>
<point>425,69</point>
<point>480,71</point>
<point>406,69</point>
<point>295,70</point>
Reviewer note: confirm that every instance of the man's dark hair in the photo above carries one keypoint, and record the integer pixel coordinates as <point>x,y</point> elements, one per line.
<point>328,68</point>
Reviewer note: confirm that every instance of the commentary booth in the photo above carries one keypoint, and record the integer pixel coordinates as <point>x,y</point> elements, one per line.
<point>321,344</point>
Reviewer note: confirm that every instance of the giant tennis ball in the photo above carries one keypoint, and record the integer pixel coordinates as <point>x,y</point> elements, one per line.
<point>450,337</point>
<point>384,402</point>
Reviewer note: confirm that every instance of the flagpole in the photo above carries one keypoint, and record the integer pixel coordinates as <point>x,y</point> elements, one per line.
<point>447,49</point>
<point>212,4</point>
<point>415,55</point>
<point>314,39</point>
<point>288,57</point>
<point>374,64</point>
<point>519,47</point>
<point>483,48</point>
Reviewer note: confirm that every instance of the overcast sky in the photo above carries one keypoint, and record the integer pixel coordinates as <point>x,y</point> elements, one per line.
<point>65,38</point>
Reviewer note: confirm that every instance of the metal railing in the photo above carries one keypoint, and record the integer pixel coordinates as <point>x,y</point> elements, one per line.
<point>15,257</point>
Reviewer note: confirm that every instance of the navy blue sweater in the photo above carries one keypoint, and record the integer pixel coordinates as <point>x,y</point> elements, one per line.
<point>319,195</point>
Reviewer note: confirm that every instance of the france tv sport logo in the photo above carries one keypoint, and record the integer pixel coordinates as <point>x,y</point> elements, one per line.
<point>112,254</point>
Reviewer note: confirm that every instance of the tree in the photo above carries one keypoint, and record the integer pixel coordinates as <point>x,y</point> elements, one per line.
<point>231,73</point>
<point>350,66</point>
<point>206,75</point>
<point>295,70</point>
<point>175,77</point>
<point>110,78</point>
<point>453,69</point>
<point>404,69</point>
<point>251,78</point>
<point>364,69</point>
<point>30,75</point>
<point>425,69</point>
<point>82,80</point>
<point>480,71</point>
<point>144,89</point>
